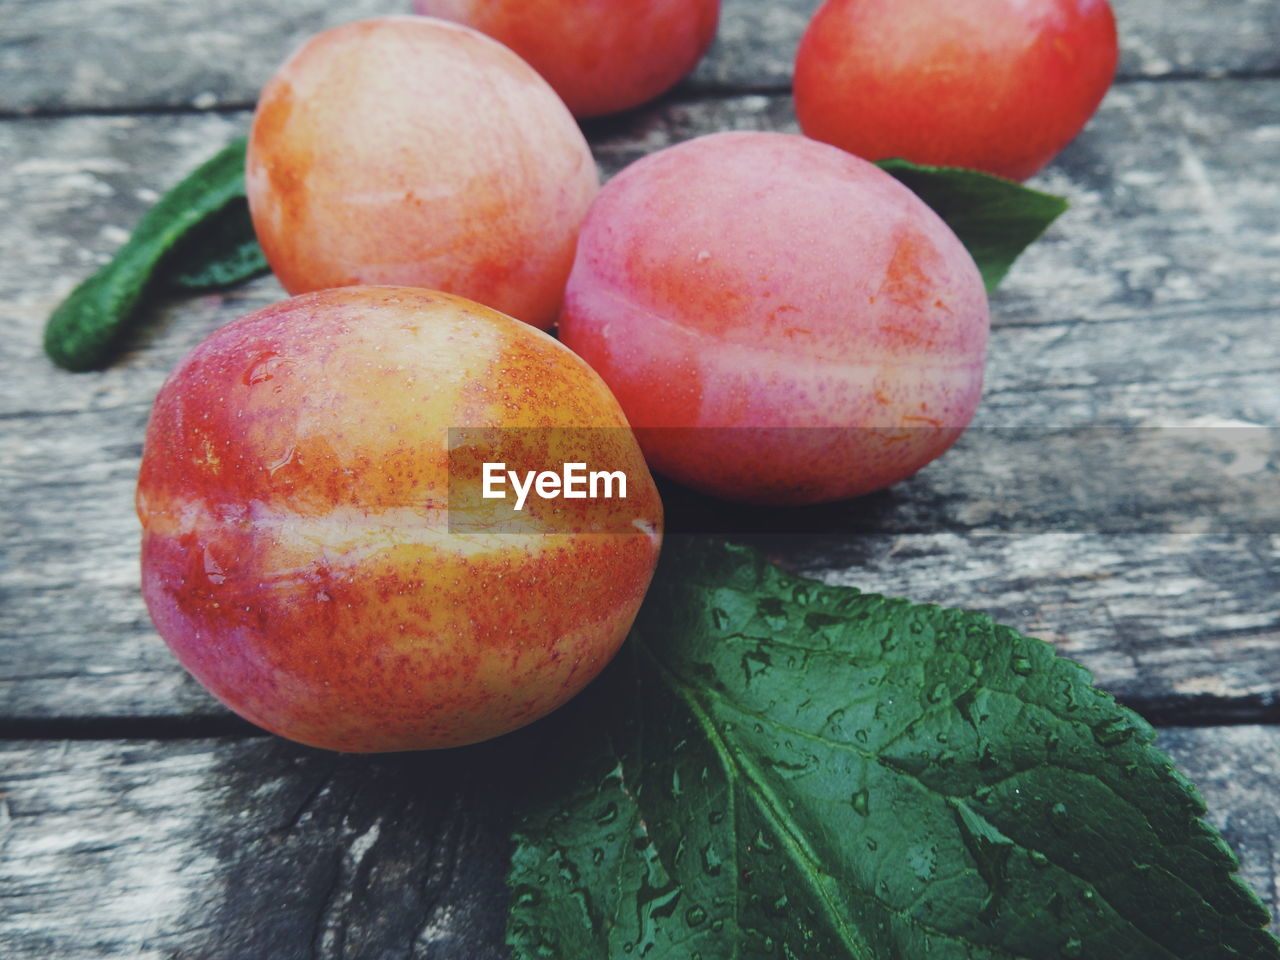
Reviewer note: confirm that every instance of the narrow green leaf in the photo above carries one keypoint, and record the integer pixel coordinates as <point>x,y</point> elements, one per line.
<point>996,219</point>
<point>778,768</point>
<point>86,326</point>
<point>220,254</point>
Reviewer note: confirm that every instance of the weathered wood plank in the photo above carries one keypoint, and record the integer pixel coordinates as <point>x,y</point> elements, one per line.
<point>126,55</point>
<point>1151,303</point>
<point>245,849</point>
<point>260,848</point>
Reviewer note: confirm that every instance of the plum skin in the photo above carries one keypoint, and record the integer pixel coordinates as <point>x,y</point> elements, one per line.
<point>782,322</point>
<point>407,150</point>
<point>601,56</point>
<point>994,85</point>
<point>295,553</point>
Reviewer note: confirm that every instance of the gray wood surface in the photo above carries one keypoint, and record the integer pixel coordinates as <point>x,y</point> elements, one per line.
<point>1117,495</point>
<point>257,848</point>
<point>66,56</point>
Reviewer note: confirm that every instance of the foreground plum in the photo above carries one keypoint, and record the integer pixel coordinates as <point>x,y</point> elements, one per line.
<point>601,56</point>
<point>406,150</point>
<point>994,85</point>
<point>781,321</point>
<point>306,558</point>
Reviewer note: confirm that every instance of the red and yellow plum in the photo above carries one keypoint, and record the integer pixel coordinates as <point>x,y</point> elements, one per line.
<point>601,56</point>
<point>781,321</point>
<point>994,85</point>
<point>407,150</point>
<point>297,550</point>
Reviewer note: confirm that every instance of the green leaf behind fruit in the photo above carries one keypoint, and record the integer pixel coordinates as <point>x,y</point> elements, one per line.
<point>197,236</point>
<point>221,253</point>
<point>778,768</point>
<point>996,219</point>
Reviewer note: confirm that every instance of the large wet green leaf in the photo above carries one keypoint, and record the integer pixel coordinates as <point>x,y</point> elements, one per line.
<point>776,768</point>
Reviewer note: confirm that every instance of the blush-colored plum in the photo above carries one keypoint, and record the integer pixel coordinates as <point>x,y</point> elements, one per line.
<point>781,321</point>
<point>407,150</point>
<point>601,56</point>
<point>301,552</point>
<point>994,85</point>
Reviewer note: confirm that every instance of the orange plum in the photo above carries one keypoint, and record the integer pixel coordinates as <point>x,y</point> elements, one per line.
<point>406,150</point>
<point>781,321</point>
<point>299,554</point>
<point>994,85</point>
<point>601,56</point>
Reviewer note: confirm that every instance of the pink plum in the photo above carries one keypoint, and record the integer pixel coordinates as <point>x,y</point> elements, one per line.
<point>781,321</point>
<point>601,56</point>
<point>407,150</point>
<point>299,553</point>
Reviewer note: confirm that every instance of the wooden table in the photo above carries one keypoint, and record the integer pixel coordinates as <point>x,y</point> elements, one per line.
<point>138,818</point>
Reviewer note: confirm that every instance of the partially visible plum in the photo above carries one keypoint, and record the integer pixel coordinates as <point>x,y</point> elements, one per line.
<point>601,56</point>
<point>994,85</point>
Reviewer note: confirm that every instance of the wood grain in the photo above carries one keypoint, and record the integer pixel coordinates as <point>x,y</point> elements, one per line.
<point>58,56</point>
<point>1151,304</point>
<point>167,829</point>
<point>220,850</point>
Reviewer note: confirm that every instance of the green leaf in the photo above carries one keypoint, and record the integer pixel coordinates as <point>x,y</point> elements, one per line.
<point>220,254</point>
<point>996,219</point>
<point>89,324</point>
<point>778,768</point>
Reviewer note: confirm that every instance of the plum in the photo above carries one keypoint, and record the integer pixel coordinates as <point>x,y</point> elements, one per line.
<point>994,85</point>
<point>601,56</point>
<point>300,549</point>
<point>781,321</point>
<point>406,150</point>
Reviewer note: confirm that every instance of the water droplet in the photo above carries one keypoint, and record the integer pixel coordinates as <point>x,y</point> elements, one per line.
<point>695,916</point>
<point>987,757</point>
<point>712,862</point>
<point>755,663</point>
<point>527,896</point>
<point>608,815</point>
<point>719,617</point>
<point>1073,949</point>
<point>938,692</point>
<point>873,844</point>
<point>1021,665</point>
<point>862,802</point>
<point>1113,732</point>
<point>923,861</point>
<point>1038,858</point>
<point>212,570</point>
<point>265,366</point>
<point>861,736</point>
<point>1059,817</point>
